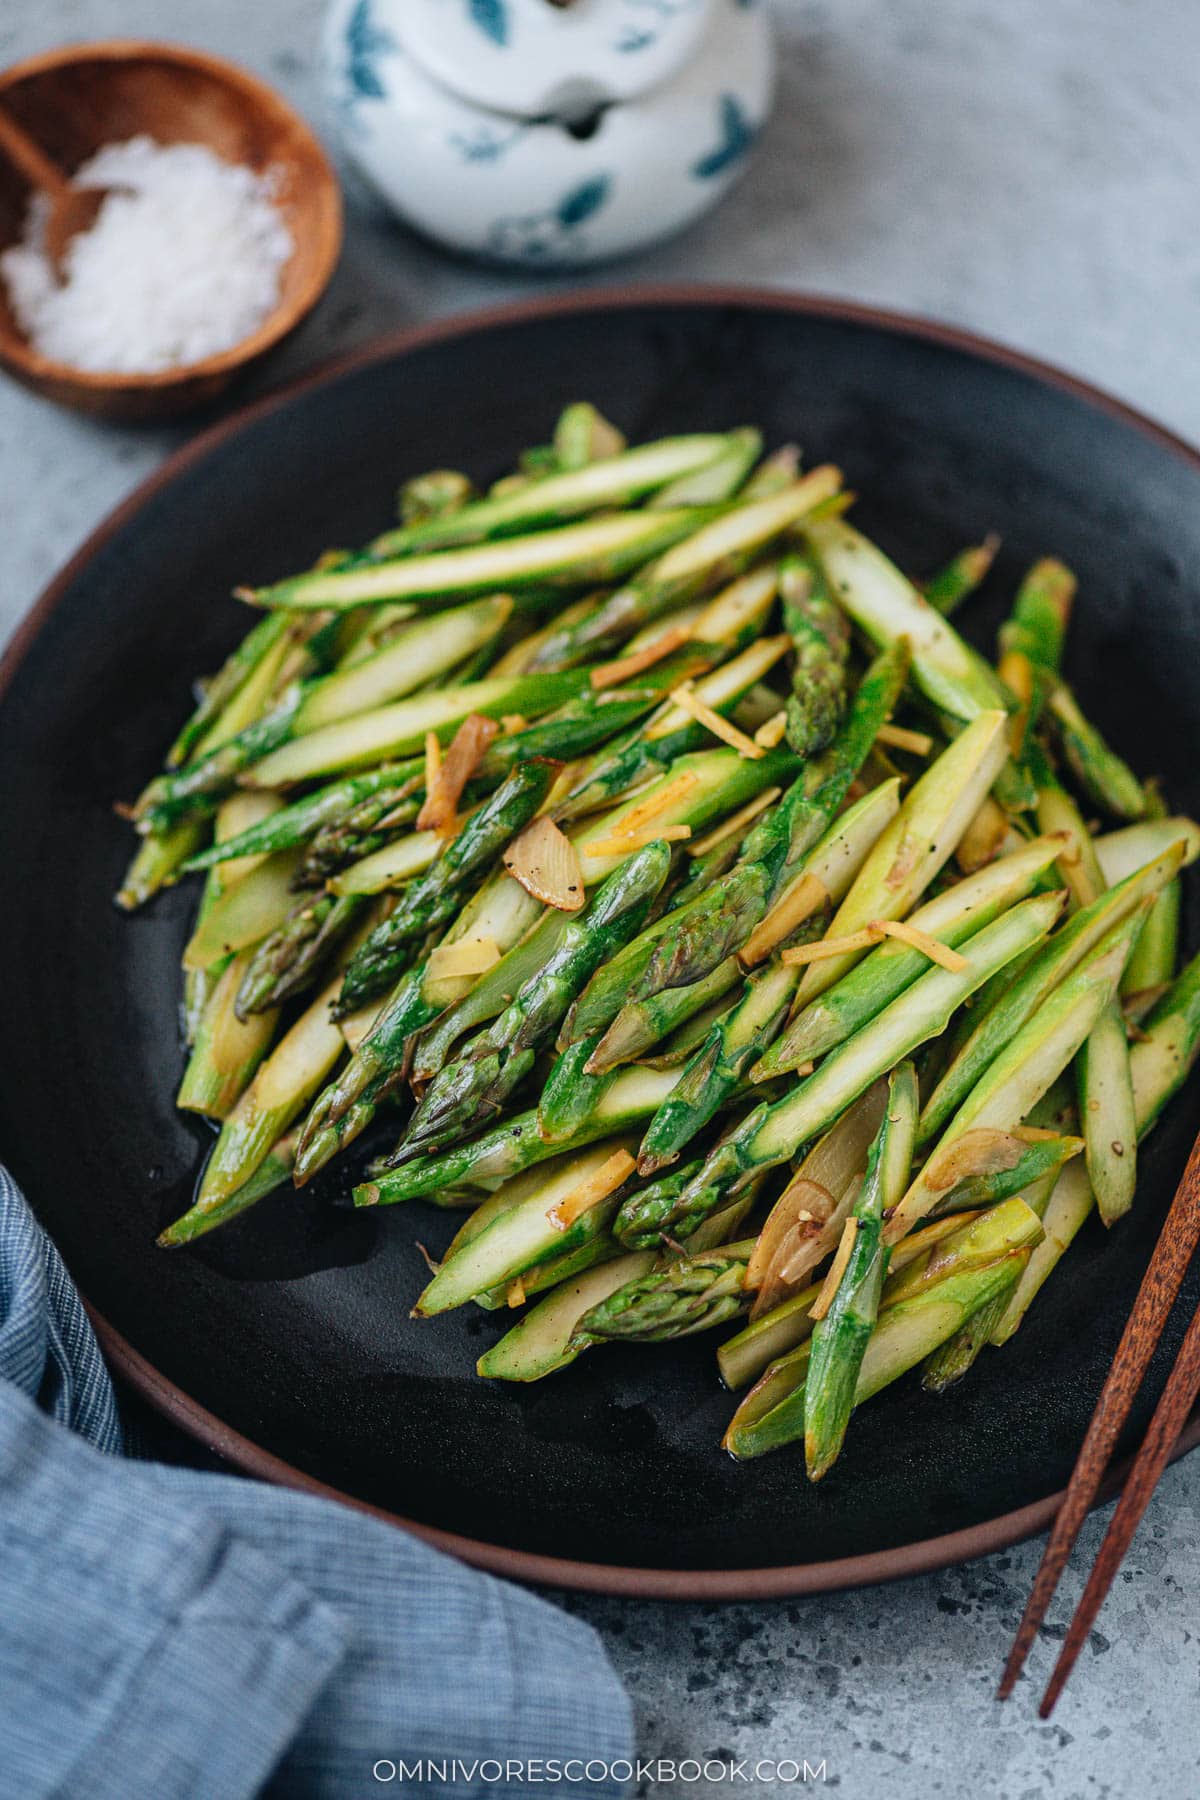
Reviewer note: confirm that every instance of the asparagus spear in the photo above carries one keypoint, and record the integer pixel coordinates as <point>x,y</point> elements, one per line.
<point>1037,626</point>
<point>494,1064</point>
<point>580,485</point>
<point>1108,781</point>
<point>1156,953</point>
<point>228,1047</point>
<point>542,1343</point>
<point>715,551</point>
<point>642,1221</point>
<point>840,1338</point>
<point>952,1359</point>
<point>501,911</point>
<point>1106,1112</point>
<point>961,576</point>
<point>776,471</point>
<point>670,733</point>
<point>991,1165</point>
<point>698,788</point>
<point>221,688</point>
<point>373,824</point>
<point>392,866</point>
<point>522,1236</point>
<point>772,1134</point>
<point>909,1329</point>
<point>516,1144</point>
<point>1034,1057</point>
<point>766,1340</point>
<point>949,917</point>
<point>1011,1009</point>
<point>303,819</point>
<point>279,1091</point>
<point>1120,853</point>
<point>577,555</point>
<point>774,853</point>
<point>433,897</point>
<point>160,858</point>
<point>345,1108</point>
<point>918,843</point>
<point>719,479</point>
<point>399,729</point>
<point>884,604</point>
<point>680,1297</point>
<point>718,1068</point>
<point>322,707</point>
<point>436,494</point>
<point>583,435</point>
<point>1162,1059</point>
<point>1159,1065</point>
<point>244,912</point>
<point>271,1173</point>
<point>821,638</point>
<point>289,960</point>
<point>1104,1084</point>
<point>828,870</point>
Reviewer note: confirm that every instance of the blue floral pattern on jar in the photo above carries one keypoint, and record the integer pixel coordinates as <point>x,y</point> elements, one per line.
<point>553,236</point>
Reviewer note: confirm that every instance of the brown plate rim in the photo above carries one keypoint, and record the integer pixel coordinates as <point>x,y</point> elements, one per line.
<point>179,1407</point>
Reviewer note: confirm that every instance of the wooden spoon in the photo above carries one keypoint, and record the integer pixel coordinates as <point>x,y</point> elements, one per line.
<point>72,209</point>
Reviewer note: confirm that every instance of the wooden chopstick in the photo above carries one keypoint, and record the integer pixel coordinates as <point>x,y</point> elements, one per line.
<point>1170,1416</point>
<point>1156,1296</point>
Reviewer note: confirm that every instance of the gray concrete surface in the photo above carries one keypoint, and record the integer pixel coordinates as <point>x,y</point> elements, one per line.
<point>1026,168</point>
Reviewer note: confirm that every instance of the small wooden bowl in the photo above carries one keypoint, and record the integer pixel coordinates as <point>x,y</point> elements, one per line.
<point>74,100</point>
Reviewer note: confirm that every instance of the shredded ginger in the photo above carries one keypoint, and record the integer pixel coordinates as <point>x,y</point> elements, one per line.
<point>184,260</point>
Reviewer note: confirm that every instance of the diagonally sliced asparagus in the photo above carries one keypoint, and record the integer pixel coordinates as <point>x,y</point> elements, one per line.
<point>909,1329</point>
<point>1122,853</point>
<point>821,637</point>
<point>278,1093</point>
<point>286,827</point>
<point>245,912</point>
<point>521,1236</point>
<point>542,1343</point>
<point>949,918</point>
<point>958,580</point>
<point>434,896</point>
<point>401,728</point>
<point>840,1338</point>
<point>772,1134</point>
<point>474,1088</point>
<point>1159,1065</point>
<point>411,660</point>
<point>884,604</point>
<point>579,555</point>
<point>717,550</point>
<point>516,1144</point>
<point>679,1297</point>
<point>918,843</point>
<point>718,1067</point>
<point>585,487</point>
<point>743,1357</point>
<point>719,479</point>
<point>1011,1009</point>
<point>1032,1060</point>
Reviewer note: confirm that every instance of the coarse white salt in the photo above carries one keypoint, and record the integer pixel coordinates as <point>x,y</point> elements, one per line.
<point>182,262</point>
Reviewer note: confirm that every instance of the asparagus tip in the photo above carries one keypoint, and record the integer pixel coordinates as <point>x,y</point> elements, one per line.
<point>650,1164</point>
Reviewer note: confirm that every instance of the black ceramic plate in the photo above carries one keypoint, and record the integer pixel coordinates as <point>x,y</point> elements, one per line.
<point>291,1327</point>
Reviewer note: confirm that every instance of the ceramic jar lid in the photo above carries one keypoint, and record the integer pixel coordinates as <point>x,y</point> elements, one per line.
<point>538,58</point>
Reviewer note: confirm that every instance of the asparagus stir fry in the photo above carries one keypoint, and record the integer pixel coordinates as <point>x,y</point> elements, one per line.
<point>732,942</point>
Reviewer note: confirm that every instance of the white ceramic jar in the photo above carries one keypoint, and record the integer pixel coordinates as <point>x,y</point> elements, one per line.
<point>548,136</point>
